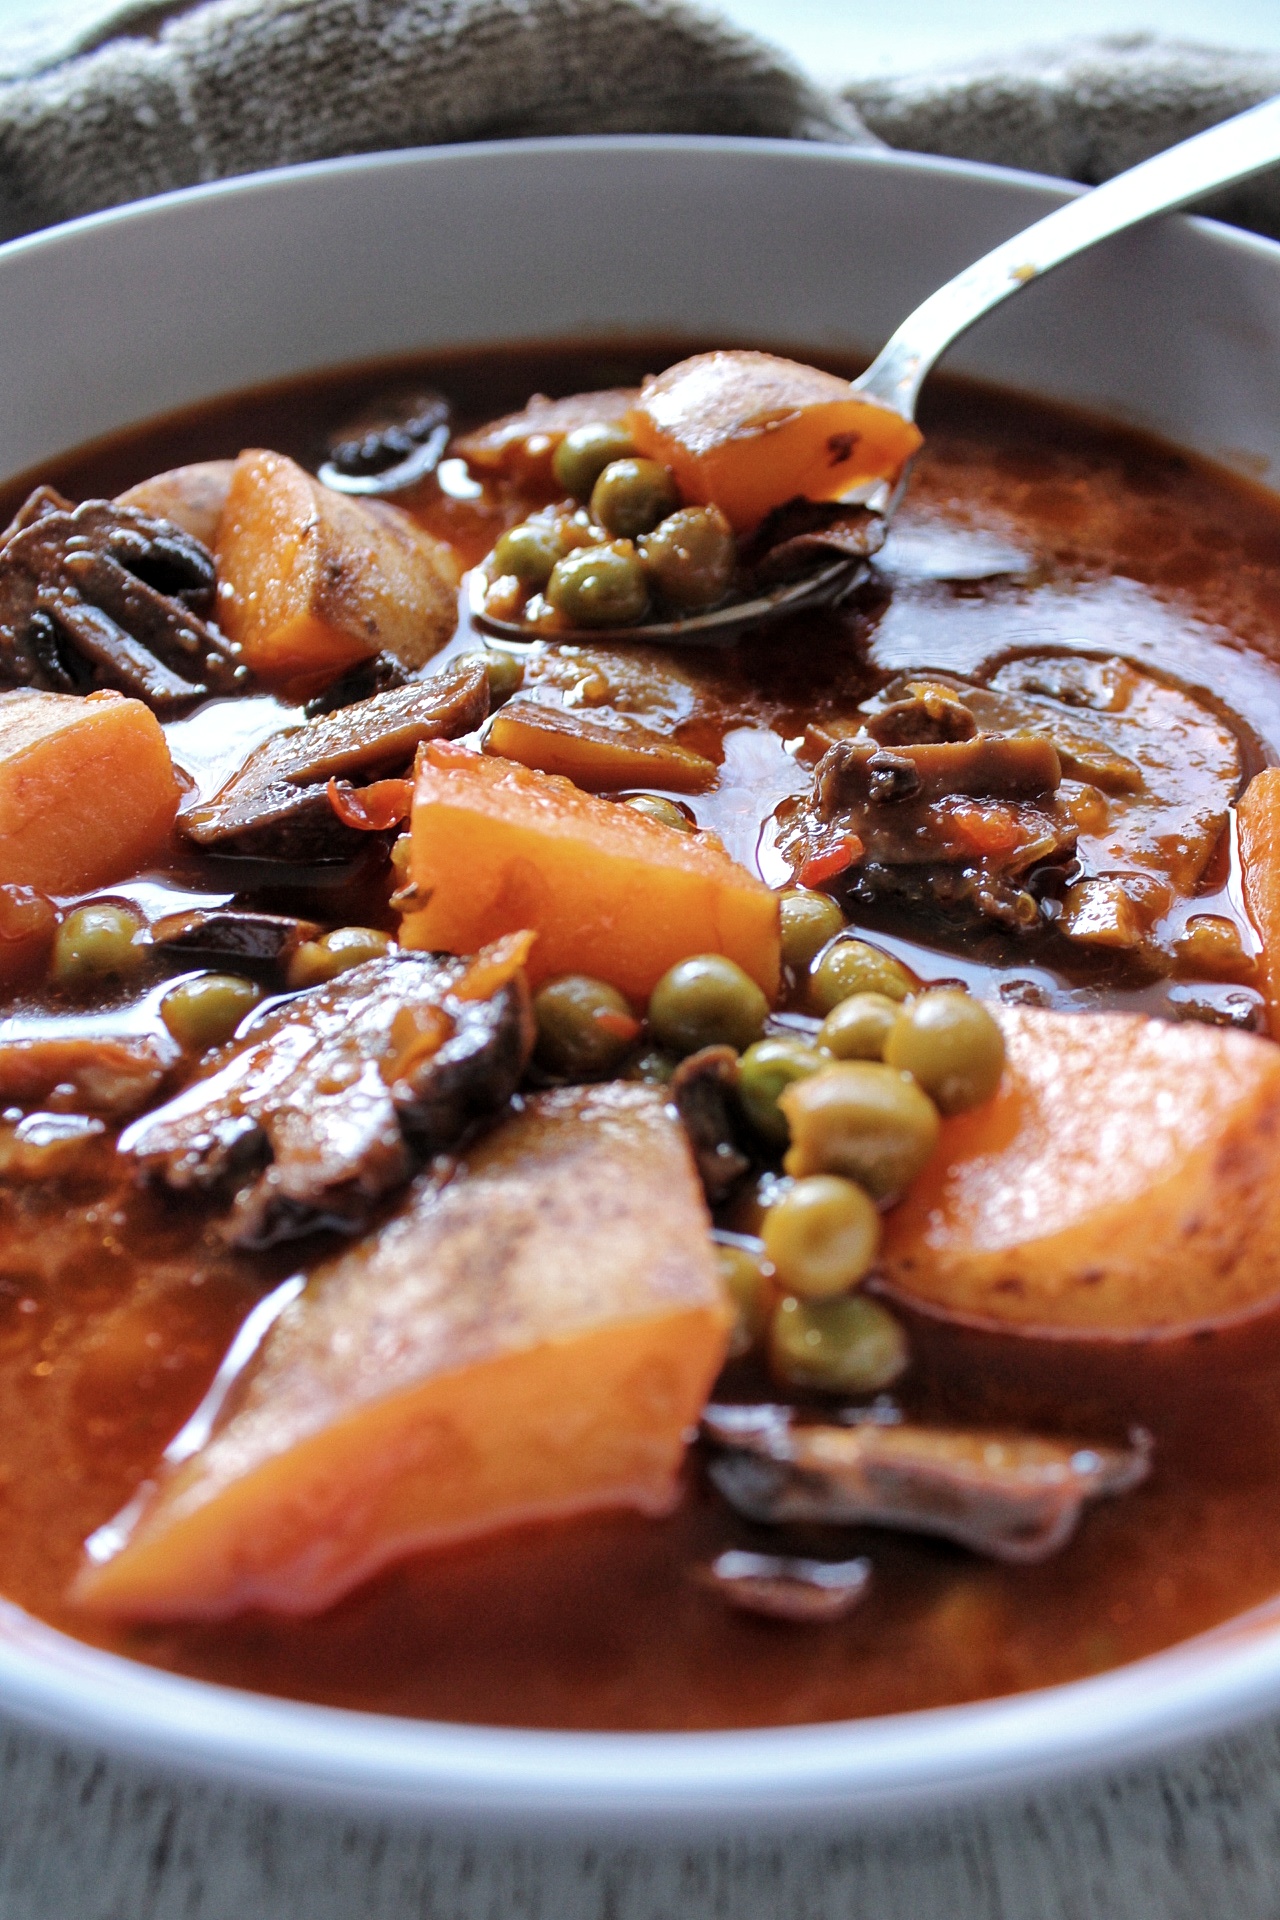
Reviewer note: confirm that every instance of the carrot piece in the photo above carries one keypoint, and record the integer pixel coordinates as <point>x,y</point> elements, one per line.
<point>530,1339</point>
<point>598,756</point>
<point>192,497</point>
<point>1258,824</point>
<point>747,432</point>
<point>609,891</point>
<point>87,789</point>
<point>310,582</point>
<point>1124,1180</point>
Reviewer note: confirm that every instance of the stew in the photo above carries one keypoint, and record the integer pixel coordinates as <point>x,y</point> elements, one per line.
<point>450,1049</point>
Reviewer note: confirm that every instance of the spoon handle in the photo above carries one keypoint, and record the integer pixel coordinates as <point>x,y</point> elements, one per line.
<point>1246,144</point>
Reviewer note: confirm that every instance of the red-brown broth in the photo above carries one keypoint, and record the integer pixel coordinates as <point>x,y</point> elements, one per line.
<point>114,1311</point>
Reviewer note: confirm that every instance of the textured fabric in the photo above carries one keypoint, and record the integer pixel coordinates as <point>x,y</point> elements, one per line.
<point>1084,110</point>
<point>235,85</point>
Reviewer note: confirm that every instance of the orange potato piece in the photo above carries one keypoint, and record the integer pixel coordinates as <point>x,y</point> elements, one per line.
<point>192,497</point>
<point>531,1339</point>
<point>1124,1180</point>
<point>522,444</point>
<point>1258,821</point>
<point>747,432</point>
<point>609,891</point>
<point>310,582</point>
<point>600,756</point>
<point>87,789</point>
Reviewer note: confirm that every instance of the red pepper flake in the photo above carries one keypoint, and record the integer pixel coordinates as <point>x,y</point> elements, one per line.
<point>417,1033</point>
<point>987,829</point>
<point>494,965</point>
<point>824,862</point>
<point>374,808</point>
<point>621,1026</point>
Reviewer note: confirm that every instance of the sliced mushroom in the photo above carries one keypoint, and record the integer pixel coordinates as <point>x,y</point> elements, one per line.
<point>379,675</point>
<point>232,933</point>
<point>702,1092</point>
<point>390,448</point>
<point>1013,1496</point>
<point>795,535</point>
<point>780,1587</point>
<point>277,805</point>
<point>102,595</point>
<point>332,1098</point>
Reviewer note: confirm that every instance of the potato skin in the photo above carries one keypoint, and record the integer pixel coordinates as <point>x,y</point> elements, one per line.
<point>310,583</point>
<point>1124,1181</point>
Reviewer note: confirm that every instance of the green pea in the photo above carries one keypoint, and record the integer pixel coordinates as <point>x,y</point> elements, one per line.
<point>316,961</point>
<point>506,674</point>
<point>529,552</point>
<point>631,496</point>
<point>583,455</point>
<point>691,555</point>
<point>585,1027</point>
<point>858,1027</point>
<point>950,1043</point>
<point>652,1066</point>
<point>847,1345</point>
<point>661,809</point>
<point>809,920</point>
<point>706,1001</point>
<point>205,1011</point>
<point>764,1070</point>
<point>600,586</point>
<point>854,966</point>
<point>861,1119</point>
<point>750,1291</point>
<point>103,941</point>
<point>822,1236</point>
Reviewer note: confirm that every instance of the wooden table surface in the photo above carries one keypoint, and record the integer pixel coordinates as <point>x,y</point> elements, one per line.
<point>83,1837</point>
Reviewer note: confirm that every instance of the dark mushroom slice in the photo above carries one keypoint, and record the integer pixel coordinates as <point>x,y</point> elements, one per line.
<point>1072,794</point>
<point>103,595</point>
<point>371,677</point>
<point>702,1090</point>
<point>391,447</point>
<point>1013,1496</point>
<point>803,533</point>
<point>332,1098</point>
<point>114,1075</point>
<point>232,933</point>
<point>783,1587</point>
<point>277,805</point>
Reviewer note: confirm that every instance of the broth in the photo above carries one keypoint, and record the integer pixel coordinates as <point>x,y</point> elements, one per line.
<point>115,1312</point>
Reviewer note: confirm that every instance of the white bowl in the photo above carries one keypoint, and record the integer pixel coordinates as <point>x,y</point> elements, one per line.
<point>135,313</point>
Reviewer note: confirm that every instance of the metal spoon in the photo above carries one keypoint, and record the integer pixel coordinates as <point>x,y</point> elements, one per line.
<point>1232,151</point>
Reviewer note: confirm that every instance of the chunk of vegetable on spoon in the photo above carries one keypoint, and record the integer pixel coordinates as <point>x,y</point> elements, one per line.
<point>749,431</point>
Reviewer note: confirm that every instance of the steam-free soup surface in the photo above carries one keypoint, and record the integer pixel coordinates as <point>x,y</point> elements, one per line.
<point>1024,531</point>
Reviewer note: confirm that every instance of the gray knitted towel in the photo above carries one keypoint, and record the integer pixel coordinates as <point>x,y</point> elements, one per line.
<point>163,96</point>
<point>1085,110</point>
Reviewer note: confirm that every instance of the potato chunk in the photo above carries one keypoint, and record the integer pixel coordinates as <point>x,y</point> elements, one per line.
<point>87,789</point>
<point>529,1339</point>
<point>610,892</point>
<point>747,432</point>
<point>192,497</point>
<point>1258,818</point>
<point>1124,1180</point>
<point>310,582</point>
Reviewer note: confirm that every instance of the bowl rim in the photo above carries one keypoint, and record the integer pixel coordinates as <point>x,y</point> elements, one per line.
<point>762,1779</point>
